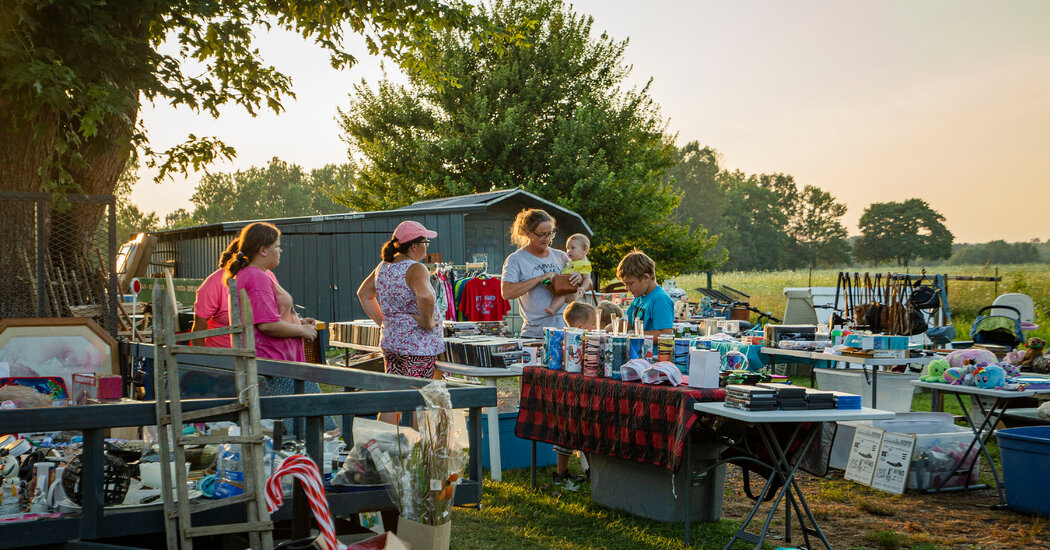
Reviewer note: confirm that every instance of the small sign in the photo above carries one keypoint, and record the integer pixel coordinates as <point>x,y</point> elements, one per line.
<point>891,470</point>
<point>863,454</point>
<point>136,286</point>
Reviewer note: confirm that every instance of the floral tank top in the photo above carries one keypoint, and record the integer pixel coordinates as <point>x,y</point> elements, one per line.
<point>401,333</point>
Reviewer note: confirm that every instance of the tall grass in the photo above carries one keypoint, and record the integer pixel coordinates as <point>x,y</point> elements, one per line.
<point>965,298</point>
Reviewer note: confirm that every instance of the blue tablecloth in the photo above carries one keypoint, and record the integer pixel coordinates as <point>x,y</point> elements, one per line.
<point>755,360</point>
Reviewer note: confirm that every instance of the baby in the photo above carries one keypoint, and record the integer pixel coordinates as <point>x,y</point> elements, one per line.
<point>576,247</point>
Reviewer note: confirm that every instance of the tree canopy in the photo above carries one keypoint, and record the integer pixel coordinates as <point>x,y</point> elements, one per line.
<point>73,73</point>
<point>902,232</point>
<point>551,117</point>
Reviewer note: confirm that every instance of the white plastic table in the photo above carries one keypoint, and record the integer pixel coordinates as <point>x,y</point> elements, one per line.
<point>981,433</point>
<point>864,362</point>
<point>489,375</point>
<point>781,462</point>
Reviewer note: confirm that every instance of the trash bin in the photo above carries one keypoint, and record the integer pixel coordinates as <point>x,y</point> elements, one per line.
<point>1024,453</point>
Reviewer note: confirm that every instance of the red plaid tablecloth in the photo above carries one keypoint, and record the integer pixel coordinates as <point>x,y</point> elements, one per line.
<point>627,420</point>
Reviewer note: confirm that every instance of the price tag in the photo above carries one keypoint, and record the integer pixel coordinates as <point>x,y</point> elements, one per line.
<point>436,485</point>
<point>863,454</point>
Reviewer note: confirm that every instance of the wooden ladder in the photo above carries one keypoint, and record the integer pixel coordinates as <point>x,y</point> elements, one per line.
<point>178,512</point>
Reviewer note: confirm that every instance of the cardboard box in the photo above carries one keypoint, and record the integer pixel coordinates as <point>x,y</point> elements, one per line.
<point>703,368</point>
<point>424,537</point>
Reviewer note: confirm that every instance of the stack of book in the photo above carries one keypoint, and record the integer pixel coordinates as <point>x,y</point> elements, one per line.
<point>820,399</point>
<point>750,398</point>
<point>483,351</point>
<point>364,332</point>
<point>789,398</point>
<point>847,401</point>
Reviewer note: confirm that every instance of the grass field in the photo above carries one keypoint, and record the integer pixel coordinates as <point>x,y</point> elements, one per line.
<point>965,298</point>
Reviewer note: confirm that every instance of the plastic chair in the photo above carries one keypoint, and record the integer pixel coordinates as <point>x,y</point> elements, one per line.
<point>1020,302</point>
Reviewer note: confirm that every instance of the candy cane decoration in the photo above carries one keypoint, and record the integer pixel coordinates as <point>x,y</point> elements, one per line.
<point>306,471</point>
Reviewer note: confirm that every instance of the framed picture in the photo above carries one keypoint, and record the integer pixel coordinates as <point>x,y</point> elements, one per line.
<point>55,347</point>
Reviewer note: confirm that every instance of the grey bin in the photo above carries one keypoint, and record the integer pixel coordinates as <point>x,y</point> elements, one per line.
<point>654,492</point>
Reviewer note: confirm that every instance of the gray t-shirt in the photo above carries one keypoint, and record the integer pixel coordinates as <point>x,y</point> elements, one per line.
<point>522,266</point>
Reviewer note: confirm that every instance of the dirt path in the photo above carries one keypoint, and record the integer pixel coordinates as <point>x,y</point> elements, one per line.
<point>853,516</point>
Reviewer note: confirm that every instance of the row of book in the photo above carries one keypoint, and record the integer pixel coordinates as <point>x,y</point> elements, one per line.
<point>366,333</point>
<point>483,351</point>
<point>771,396</point>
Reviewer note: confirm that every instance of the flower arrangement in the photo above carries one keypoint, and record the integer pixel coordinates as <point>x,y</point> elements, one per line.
<point>423,483</point>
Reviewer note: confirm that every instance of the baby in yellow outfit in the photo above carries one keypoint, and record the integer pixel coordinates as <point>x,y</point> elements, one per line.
<point>576,247</point>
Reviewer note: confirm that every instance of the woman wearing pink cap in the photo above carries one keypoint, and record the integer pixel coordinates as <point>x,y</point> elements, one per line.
<point>397,295</point>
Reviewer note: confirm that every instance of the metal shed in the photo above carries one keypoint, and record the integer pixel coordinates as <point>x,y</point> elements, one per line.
<point>325,258</point>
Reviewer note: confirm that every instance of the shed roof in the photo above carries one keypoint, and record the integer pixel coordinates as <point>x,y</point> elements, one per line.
<point>481,201</point>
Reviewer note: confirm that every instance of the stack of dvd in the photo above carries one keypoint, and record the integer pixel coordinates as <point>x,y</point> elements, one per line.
<point>820,399</point>
<point>742,377</point>
<point>789,398</point>
<point>847,401</point>
<point>750,398</point>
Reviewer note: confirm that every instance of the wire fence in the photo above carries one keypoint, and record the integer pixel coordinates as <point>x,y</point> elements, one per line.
<point>59,258</point>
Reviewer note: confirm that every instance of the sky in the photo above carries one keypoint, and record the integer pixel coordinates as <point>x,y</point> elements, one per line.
<point>944,100</point>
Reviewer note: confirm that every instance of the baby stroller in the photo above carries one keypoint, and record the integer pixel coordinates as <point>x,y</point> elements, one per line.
<point>998,330</point>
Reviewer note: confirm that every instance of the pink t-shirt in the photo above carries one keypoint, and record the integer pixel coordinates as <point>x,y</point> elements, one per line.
<point>262,293</point>
<point>213,304</point>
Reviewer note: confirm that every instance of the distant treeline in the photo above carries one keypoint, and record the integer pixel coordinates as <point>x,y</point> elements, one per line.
<point>1000,252</point>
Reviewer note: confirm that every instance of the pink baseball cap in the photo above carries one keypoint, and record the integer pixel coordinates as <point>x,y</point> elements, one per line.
<point>411,230</point>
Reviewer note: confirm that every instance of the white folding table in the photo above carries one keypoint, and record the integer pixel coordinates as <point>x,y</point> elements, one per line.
<point>981,433</point>
<point>782,464</point>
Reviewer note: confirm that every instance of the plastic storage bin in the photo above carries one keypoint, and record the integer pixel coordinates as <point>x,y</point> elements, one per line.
<point>514,452</point>
<point>938,445</point>
<point>1024,453</point>
<point>895,389</point>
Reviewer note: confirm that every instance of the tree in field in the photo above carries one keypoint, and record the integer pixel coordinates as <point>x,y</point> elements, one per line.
<point>755,224</point>
<point>552,118</point>
<point>902,232</point>
<point>280,190</point>
<point>996,253</point>
<point>817,229</point>
<point>695,176</point>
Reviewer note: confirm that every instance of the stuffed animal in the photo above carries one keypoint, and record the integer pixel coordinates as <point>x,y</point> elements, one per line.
<point>935,371</point>
<point>1012,370</point>
<point>972,356</point>
<point>953,376</point>
<point>990,377</point>
<point>1014,357</point>
<point>1035,347</point>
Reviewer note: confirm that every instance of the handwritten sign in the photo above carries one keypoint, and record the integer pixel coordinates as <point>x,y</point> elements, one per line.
<point>891,470</point>
<point>863,454</point>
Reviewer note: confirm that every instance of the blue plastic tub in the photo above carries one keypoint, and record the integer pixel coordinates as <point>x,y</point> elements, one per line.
<point>1025,453</point>
<point>514,452</point>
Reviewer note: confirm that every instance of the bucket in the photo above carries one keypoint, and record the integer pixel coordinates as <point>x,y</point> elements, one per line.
<point>1024,453</point>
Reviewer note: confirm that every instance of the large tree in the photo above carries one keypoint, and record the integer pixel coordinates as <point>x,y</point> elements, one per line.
<point>695,176</point>
<point>755,224</point>
<point>279,190</point>
<point>553,118</point>
<point>817,228</point>
<point>902,232</point>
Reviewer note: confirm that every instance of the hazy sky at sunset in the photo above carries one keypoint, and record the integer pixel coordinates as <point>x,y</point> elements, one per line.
<point>944,100</point>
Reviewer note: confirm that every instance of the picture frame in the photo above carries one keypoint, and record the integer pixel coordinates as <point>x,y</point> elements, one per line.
<point>56,347</point>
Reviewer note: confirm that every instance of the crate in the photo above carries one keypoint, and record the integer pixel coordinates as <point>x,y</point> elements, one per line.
<point>1024,453</point>
<point>938,445</point>
<point>895,389</point>
<point>514,452</point>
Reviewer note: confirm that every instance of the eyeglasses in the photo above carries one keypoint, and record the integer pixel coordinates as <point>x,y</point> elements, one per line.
<point>425,241</point>
<point>544,236</point>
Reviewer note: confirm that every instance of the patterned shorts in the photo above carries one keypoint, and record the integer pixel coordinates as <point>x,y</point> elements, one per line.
<point>418,366</point>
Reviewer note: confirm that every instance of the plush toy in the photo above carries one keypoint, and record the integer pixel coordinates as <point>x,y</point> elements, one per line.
<point>1035,349</point>
<point>953,375</point>
<point>972,356</point>
<point>1014,357</point>
<point>1012,370</point>
<point>935,371</point>
<point>990,377</point>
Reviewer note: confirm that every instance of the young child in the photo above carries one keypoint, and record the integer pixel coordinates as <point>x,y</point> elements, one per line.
<point>651,304</point>
<point>576,247</point>
<point>609,310</point>
<point>577,315</point>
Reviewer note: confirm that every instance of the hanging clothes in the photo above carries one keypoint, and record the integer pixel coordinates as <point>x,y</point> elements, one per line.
<point>482,300</point>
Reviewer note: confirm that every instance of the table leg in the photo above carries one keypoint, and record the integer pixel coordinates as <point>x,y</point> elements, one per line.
<point>688,483</point>
<point>874,387</point>
<point>495,464</point>
<point>980,436</point>
<point>532,466</point>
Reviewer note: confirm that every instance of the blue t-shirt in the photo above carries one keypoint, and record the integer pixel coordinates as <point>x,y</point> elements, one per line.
<point>655,309</point>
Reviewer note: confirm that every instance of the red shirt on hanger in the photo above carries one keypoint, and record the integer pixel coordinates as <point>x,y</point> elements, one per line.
<point>482,300</point>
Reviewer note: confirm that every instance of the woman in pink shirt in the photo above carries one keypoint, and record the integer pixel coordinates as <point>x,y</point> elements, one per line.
<point>211,308</point>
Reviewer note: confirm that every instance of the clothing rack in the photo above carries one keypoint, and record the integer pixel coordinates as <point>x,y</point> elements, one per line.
<point>459,271</point>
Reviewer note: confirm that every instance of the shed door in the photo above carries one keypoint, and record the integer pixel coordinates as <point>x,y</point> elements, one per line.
<point>487,236</point>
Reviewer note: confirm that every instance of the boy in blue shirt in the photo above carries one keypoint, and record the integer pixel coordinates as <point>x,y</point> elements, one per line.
<point>651,304</point>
